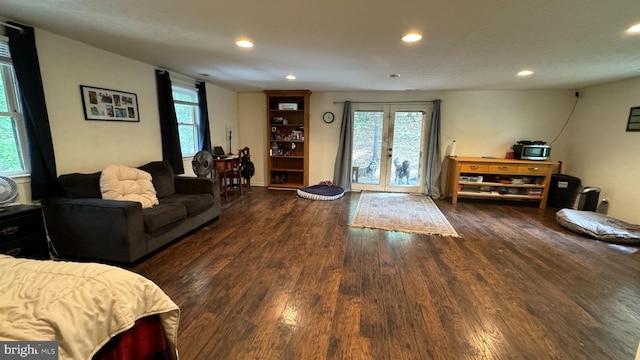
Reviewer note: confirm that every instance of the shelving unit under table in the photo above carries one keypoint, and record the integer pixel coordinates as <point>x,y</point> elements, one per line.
<point>502,179</point>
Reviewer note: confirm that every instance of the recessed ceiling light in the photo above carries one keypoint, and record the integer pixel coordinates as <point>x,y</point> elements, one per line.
<point>635,29</point>
<point>411,37</point>
<point>244,43</point>
<point>290,77</point>
<point>525,73</point>
<point>393,75</point>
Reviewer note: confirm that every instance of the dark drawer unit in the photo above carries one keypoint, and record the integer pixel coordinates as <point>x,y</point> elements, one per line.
<point>22,232</point>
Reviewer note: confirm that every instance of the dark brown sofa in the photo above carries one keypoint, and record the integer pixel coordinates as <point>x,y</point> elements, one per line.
<point>83,225</point>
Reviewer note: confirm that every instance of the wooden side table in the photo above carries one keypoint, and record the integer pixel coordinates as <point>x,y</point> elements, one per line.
<point>22,232</point>
<point>228,172</point>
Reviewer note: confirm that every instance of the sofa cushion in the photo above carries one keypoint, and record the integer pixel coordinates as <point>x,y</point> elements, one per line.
<point>119,182</point>
<point>78,185</point>
<point>161,215</point>
<point>162,177</point>
<point>194,203</point>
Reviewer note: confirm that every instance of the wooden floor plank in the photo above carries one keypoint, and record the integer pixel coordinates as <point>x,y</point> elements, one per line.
<point>281,277</point>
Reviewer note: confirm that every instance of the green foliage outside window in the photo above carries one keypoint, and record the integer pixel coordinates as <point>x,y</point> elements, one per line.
<point>10,159</point>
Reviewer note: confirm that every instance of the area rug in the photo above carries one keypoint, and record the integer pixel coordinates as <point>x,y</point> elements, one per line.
<point>401,212</point>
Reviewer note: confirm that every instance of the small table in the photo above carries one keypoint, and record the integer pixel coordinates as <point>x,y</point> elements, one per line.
<point>228,171</point>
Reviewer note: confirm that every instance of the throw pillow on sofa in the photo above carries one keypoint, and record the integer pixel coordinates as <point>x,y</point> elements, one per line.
<point>78,185</point>
<point>119,182</point>
<point>162,177</point>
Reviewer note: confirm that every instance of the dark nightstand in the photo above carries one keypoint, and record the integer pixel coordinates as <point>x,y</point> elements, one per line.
<point>22,232</point>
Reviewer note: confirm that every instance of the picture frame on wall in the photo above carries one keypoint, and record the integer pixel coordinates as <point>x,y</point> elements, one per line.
<point>109,105</point>
<point>634,119</point>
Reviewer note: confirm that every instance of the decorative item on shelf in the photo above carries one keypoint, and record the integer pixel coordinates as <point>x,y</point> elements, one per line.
<point>295,135</point>
<point>279,178</point>
<point>287,106</point>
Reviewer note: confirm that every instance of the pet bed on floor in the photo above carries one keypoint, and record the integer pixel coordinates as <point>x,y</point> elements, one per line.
<point>599,226</point>
<point>321,192</point>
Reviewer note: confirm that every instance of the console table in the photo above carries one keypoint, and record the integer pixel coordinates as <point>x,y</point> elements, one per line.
<point>499,179</point>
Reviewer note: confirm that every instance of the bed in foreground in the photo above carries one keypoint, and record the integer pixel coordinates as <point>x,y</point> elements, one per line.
<point>85,306</point>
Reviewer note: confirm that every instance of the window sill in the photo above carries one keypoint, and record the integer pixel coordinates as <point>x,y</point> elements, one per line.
<point>20,179</point>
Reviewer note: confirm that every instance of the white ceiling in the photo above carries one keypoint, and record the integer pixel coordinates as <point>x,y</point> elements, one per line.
<point>351,45</point>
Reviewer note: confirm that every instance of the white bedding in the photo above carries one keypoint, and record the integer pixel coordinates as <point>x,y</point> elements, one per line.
<point>79,305</point>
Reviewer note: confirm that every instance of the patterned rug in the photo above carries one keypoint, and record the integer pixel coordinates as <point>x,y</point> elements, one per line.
<point>401,212</point>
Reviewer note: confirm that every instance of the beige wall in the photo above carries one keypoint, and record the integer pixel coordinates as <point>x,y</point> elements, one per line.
<point>89,146</point>
<point>602,153</point>
<point>484,123</point>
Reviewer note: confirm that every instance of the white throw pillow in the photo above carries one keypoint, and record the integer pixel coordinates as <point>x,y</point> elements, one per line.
<point>119,182</point>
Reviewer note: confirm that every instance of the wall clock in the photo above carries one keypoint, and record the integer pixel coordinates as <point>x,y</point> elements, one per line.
<point>328,117</point>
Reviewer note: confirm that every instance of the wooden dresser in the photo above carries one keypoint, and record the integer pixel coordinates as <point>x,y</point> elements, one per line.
<point>499,179</point>
<point>22,232</point>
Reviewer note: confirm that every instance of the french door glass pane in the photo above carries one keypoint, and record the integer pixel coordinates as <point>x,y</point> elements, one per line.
<point>367,146</point>
<point>407,137</point>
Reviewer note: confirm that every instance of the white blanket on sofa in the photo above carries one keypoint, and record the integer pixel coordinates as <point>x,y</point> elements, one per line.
<point>80,305</point>
<point>119,182</point>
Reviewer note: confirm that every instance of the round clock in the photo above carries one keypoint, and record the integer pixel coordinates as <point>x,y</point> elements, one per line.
<point>328,117</point>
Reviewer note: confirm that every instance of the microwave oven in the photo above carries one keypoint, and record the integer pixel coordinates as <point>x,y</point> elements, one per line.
<point>531,151</point>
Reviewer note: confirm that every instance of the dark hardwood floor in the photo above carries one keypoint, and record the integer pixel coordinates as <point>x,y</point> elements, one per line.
<point>281,277</point>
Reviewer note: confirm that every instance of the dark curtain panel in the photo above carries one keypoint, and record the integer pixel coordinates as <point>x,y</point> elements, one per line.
<point>342,167</point>
<point>22,45</point>
<point>434,161</point>
<point>204,135</point>
<point>168,123</point>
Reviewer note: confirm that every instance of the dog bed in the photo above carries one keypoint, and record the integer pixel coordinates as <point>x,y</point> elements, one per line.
<point>599,226</point>
<point>321,192</point>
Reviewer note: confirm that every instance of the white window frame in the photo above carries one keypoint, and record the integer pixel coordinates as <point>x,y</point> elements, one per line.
<point>15,109</point>
<point>195,125</point>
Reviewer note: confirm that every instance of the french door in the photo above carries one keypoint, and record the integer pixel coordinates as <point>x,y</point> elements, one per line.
<point>388,147</point>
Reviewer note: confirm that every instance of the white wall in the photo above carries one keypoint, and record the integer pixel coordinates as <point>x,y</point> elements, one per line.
<point>484,123</point>
<point>253,132</point>
<point>602,153</point>
<point>89,146</point>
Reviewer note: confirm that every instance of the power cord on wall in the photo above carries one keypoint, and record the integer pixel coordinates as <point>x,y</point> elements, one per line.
<point>568,118</point>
